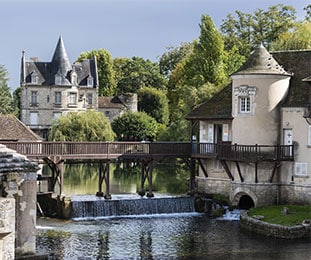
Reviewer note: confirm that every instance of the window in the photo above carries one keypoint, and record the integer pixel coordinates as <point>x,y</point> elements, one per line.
<point>90,81</point>
<point>90,98</point>
<point>301,169</point>
<point>57,115</point>
<point>244,97</point>
<point>34,78</point>
<point>33,118</point>
<point>72,98</point>
<point>74,78</point>
<point>244,105</point>
<point>57,98</point>
<point>34,100</point>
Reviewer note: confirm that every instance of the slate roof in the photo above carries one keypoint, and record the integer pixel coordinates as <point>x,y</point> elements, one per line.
<point>218,107</point>
<point>59,65</point>
<point>12,129</point>
<point>110,103</point>
<point>296,64</point>
<point>261,62</point>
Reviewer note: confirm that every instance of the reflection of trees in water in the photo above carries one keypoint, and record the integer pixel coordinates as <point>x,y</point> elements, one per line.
<point>145,245</point>
<point>103,245</point>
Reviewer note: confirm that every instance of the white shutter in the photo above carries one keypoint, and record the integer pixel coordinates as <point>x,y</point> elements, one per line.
<point>225,132</point>
<point>301,168</point>
<point>210,133</point>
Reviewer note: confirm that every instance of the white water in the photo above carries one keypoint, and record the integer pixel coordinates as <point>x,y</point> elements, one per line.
<point>91,207</point>
<point>231,215</point>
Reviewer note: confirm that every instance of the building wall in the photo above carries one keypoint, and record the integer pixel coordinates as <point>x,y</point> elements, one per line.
<point>261,125</point>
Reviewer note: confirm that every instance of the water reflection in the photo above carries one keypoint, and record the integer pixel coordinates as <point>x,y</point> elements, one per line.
<point>124,178</point>
<point>182,237</point>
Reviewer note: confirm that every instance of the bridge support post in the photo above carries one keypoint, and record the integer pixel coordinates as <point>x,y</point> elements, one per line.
<point>144,173</point>
<point>150,193</point>
<point>104,175</point>
<point>192,177</point>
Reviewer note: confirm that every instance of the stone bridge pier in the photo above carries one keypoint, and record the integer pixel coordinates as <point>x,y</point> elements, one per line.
<point>18,191</point>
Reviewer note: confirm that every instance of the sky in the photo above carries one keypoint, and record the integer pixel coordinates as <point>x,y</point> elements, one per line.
<point>125,28</point>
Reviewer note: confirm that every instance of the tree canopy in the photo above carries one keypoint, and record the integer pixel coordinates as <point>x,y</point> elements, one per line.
<point>5,94</point>
<point>82,126</point>
<point>106,73</point>
<point>135,73</point>
<point>155,103</point>
<point>135,126</point>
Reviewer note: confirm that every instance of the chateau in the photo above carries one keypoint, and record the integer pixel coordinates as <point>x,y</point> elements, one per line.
<point>264,112</point>
<point>51,89</point>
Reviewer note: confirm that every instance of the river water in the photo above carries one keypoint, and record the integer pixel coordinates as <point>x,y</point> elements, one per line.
<point>159,236</point>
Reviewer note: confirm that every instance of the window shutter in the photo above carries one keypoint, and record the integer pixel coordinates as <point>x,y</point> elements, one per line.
<point>210,133</point>
<point>225,132</point>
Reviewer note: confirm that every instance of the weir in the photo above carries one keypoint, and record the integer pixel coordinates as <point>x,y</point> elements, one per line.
<point>91,207</point>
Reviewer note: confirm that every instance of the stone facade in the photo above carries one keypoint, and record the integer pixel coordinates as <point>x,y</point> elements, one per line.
<point>51,89</point>
<point>18,184</point>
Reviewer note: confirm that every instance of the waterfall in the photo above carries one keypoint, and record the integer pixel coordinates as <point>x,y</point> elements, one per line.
<point>87,207</point>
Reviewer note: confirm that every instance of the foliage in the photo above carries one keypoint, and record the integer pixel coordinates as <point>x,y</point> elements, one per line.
<point>5,95</point>
<point>155,103</point>
<point>106,74</point>
<point>172,57</point>
<point>17,101</point>
<point>205,63</point>
<point>297,39</point>
<point>135,126</point>
<point>308,12</point>
<point>81,126</point>
<point>133,74</point>
<point>247,30</point>
<point>273,214</point>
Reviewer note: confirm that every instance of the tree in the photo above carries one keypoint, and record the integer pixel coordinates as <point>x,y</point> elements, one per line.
<point>135,126</point>
<point>133,74</point>
<point>297,39</point>
<point>82,126</point>
<point>155,103</point>
<point>247,30</point>
<point>205,64</point>
<point>5,94</point>
<point>172,57</point>
<point>308,12</point>
<point>106,74</point>
<point>17,101</point>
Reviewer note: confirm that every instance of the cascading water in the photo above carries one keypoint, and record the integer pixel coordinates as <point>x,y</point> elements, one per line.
<point>91,207</point>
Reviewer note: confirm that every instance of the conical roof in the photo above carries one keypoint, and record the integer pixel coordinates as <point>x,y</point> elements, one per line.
<point>261,62</point>
<point>60,62</point>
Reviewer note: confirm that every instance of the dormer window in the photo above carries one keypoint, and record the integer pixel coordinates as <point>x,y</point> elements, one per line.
<point>58,78</point>
<point>34,78</point>
<point>90,81</point>
<point>74,78</point>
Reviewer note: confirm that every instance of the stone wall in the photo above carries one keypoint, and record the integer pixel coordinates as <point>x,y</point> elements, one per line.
<point>273,230</point>
<point>213,185</point>
<point>7,228</point>
<point>295,194</point>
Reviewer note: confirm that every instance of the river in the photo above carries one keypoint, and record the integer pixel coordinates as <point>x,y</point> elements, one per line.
<point>168,236</point>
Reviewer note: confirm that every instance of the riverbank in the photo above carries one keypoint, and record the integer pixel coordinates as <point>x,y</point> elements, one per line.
<point>295,227</point>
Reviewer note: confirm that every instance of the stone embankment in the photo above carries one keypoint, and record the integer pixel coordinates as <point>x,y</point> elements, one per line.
<point>273,230</point>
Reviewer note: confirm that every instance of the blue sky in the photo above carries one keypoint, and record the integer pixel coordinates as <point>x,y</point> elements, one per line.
<point>125,28</point>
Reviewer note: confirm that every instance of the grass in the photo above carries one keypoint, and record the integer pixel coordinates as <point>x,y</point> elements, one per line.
<point>274,214</point>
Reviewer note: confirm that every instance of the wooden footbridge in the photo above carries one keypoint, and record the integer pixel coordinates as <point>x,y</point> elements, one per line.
<point>148,154</point>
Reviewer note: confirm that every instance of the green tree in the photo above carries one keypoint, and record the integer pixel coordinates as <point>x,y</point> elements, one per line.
<point>205,64</point>
<point>297,39</point>
<point>5,94</point>
<point>135,73</point>
<point>17,101</point>
<point>155,103</point>
<point>173,56</point>
<point>82,126</point>
<point>106,73</point>
<point>135,126</point>
<point>247,30</point>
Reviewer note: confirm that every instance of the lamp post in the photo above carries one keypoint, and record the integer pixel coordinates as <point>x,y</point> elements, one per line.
<point>307,113</point>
